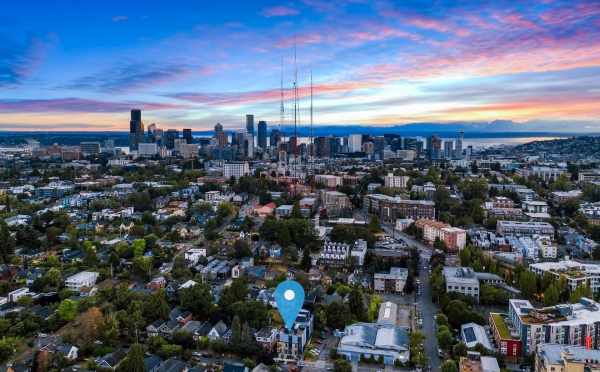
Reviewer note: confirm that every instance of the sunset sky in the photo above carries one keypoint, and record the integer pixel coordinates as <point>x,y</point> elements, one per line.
<point>82,65</point>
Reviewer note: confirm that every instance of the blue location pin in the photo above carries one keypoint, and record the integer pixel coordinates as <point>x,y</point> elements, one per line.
<point>289,296</point>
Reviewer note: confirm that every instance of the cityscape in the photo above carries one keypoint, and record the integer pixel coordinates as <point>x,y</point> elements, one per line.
<point>425,176</point>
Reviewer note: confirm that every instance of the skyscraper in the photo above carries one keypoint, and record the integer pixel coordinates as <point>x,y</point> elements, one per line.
<point>187,135</point>
<point>434,147</point>
<point>220,136</point>
<point>136,129</point>
<point>355,143</point>
<point>250,124</point>
<point>459,144</point>
<point>275,138</point>
<point>448,149</point>
<point>262,134</point>
<point>170,136</point>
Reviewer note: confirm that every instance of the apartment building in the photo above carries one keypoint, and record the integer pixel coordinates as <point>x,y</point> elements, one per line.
<point>82,279</point>
<point>399,182</point>
<point>555,358</point>
<point>389,208</point>
<point>392,282</point>
<point>291,343</point>
<point>236,169</point>
<point>577,274</point>
<point>567,324</point>
<point>521,228</point>
<point>507,339</point>
<point>461,280</point>
<point>328,180</point>
<point>454,238</point>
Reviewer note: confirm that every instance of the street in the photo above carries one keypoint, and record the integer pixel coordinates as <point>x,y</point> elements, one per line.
<point>428,308</point>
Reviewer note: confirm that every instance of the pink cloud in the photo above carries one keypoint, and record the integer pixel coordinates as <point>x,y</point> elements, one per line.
<point>279,11</point>
<point>80,105</point>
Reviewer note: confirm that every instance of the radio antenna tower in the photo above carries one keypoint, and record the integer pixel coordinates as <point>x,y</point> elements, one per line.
<point>312,145</point>
<point>295,109</point>
<point>281,109</point>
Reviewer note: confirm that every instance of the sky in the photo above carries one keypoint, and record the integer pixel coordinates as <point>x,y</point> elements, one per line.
<point>82,65</point>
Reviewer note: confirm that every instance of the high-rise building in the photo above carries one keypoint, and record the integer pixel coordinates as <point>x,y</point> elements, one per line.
<point>459,144</point>
<point>250,124</point>
<point>275,138</point>
<point>262,134</point>
<point>187,135</point>
<point>170,136</point>
<point>136,129</point>
<point>90,148</point>
<point>355,143</point>
<point>409,144</point>
<point>220,136</point>
<point>448,149</point>
<point>434,147</point>
<point>323,147</point>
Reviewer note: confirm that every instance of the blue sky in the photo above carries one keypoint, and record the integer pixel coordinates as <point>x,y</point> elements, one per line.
<point>76,65</point>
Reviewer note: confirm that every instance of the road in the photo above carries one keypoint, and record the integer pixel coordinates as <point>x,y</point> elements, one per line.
<point>428,308</point>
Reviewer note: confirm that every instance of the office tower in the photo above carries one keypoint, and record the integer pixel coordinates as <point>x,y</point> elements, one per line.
<point>109,146</point>
<point>419,147</point>
<point>250,124</point>
<point>220,136</point>
<point>187,135</point>
<point>292,145</point>
<point>275,138</point>
<point>448,149</point>
<point>248,145</point>
<point>262,134</point>
<point>355,143</point>
<point>459,144</point>
<point>391,137</point>
<point>89,148</point>
<point>409,144</point>
<point>170,136</point>
<point>323,147</point>
<point>434,147</point>
<point>136,129</point>
<point>379,146</point>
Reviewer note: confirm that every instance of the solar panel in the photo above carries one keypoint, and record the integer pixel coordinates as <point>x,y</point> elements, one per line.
<point>469,335</point>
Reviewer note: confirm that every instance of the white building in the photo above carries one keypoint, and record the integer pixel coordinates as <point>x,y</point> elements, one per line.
<point>236,169</point>
<point>82,279</point>
<point>355,143</point>
<point>461,280</point>
<point>392,181</point>
<point>504,227</point>
<point>193,255</point>
<point>17,293</point>
<point>147,149</point>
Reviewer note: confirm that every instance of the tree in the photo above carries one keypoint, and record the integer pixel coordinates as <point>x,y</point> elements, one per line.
<point>134,361</point>
<point>444,338</point>
<point>460,349</point>
<point>7,248</point>
<point>237,291</point>
<point>338,315</point>
<point>53,277</point>
<point>241,249</point>
<point>296,211</point>
<point>67,310</point>
<point>8,346</point>
<point>138,247</point>
<point>449,366</point>
<point>579,292</point>
<point>342,365</point>
<point>91,323</point>
<point>357,304</point>
<point>374,225</point>
<point>198,300</point>
<point>551,295</point>
<point>156,306</point>
<point>236,331</point>
<point>528,284</point>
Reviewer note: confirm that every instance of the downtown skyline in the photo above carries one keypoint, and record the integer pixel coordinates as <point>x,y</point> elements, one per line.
<point>78,67</point>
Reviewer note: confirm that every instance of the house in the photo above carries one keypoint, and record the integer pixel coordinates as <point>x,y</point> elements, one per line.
<point>111,360</point>
<point>173,365</point>
<point>472,334</point>
<point>219,331</point>
<point>266,338</point>
<point>18,293</point>
<point>235,367</point>
<point>157,283</point>
<point>55,344</point>
<point>196,329</point>
<point>265,210</point>
<point>152,363</point>
<point>474,362</point>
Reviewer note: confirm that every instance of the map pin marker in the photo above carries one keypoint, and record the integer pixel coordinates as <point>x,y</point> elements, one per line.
<point>289,296</point>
